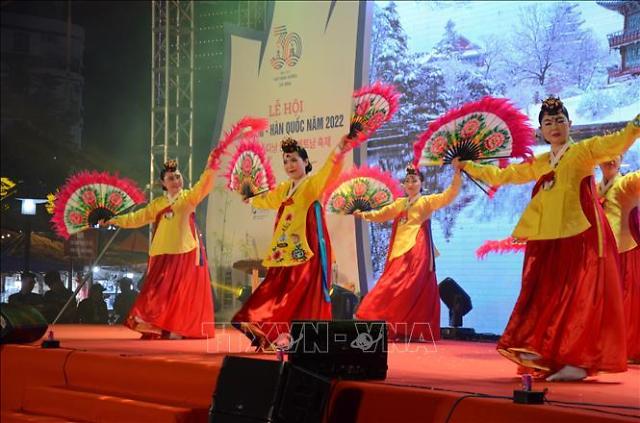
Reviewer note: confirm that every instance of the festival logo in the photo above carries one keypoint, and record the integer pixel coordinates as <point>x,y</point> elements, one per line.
<point>288,48</point>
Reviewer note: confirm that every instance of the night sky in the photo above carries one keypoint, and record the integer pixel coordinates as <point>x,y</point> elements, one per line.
<point>116,98</point>
<point>117,66</point>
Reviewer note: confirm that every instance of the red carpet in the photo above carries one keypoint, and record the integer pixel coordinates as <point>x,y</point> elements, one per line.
<point>106,374</point>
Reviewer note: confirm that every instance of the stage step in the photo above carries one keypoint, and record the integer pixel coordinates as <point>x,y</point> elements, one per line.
<point>95,407</point>
<point>18,417</point>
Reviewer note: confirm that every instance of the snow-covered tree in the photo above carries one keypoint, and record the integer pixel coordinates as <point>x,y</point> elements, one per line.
<point>550,47</point>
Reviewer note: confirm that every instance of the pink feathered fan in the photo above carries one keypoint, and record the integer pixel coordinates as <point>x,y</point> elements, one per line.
<point>507,245</point>
<point>249,172</point>
<point>491,128</point>
<point>363,189</point>
<point>373,105</point>
<point>246,128</point>
<point>87,197</point>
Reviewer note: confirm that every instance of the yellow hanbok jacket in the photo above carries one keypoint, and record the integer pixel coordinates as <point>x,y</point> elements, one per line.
<point>618,201</point>
<point>289,245</point>
<point>173,234</point>
<point>416,213</point>
<point>556,212</point>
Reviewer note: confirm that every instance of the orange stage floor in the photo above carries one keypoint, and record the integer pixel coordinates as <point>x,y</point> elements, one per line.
<point>105,373</point>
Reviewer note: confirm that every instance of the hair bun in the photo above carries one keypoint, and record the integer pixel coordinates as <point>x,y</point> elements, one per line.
<point>171,165</point>
<point>289,145</point>
<point>411,170</point>
<point>552,105</point>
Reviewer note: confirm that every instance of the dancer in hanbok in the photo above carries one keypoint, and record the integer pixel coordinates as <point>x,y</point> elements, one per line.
<point>620,197</point>
<point>568,321</point>
<point>176,299</point>
<point>406,295</point>
<point>299,259</point>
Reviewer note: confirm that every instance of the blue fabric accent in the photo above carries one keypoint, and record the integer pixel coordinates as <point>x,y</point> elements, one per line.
<point>324,260</point>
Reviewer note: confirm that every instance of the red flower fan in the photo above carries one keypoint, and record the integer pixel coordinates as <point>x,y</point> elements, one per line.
<point>245,128</point>
<point>249,171</point>
<point>363,189</point>
<point>87,197</point>
<point>507,245</point>
<point>373,105</point>
<point>491,128</point>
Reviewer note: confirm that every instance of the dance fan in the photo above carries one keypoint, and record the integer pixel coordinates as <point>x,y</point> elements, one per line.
<point>489,129</point>
<point>88,197</point>
<point>373,105</point>
<point>246,128</point>
<point>362,189</point>
<point>249,171</point>
<point>507,245</point>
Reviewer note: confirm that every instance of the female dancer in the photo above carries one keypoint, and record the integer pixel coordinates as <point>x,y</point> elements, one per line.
<point>406,296</point>
<point>175,301</point>
<point>568,319</point>
<point>620,197</point>
<point>299,261</point>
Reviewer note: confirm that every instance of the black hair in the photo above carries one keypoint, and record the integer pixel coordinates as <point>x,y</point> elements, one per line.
<point>289,145</point>
<point>52,277</point>
<point>29,275</point>
<point>169,166</point>
<point>552,106</point>
<point>413,171</point>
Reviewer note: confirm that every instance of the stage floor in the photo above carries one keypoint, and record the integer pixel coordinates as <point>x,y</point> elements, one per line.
<point>111,360</point>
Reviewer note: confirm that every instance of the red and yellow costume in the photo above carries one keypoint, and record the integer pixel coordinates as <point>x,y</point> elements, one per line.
<point>299,260</point>
<point>569,311</point>
<point>621,201</point>
<point>406,295</point>
<point>176,295</point>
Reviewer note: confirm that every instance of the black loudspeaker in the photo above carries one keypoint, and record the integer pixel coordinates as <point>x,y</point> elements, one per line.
<point>456,299</point>
<point>250,390</point>
<point>21,324</point>
<point>346,349</point>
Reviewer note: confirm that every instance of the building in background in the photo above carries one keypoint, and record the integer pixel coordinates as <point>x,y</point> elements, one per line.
<point>42,81</point>
<point>627,41</point>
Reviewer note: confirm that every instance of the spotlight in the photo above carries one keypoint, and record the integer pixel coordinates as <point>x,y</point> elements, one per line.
<point>243,293</point>
<point>96,269</point>
<point>459,303</point>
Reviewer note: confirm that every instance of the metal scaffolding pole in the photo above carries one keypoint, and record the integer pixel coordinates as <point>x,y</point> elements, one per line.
<point>172,82</point>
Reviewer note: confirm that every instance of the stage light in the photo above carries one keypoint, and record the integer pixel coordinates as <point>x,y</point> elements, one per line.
<point>244,293</point>
<point>456,299</point>
<point>459,304</point>
<point>96,269</point>
<point>28,206</point>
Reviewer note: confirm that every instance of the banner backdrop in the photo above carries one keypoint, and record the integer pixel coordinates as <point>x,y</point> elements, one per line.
<point>299,75</point>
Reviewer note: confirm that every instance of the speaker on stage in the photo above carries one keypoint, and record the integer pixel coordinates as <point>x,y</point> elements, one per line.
<point>348,349</point>
<point>21,324</point>
<point>251,390</point>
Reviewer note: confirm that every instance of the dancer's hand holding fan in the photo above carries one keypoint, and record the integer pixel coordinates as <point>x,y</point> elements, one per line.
<point>361,189</point>
<point>373,105</point>
<point>89,197</point>
<point>489,129</point>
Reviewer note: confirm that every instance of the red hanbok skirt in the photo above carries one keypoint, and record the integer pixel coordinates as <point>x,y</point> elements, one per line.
<point>176,297</point>
<point>630,269</point>
<point>406,295</point>
<point>569,310</point>
<point>291,292</point>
